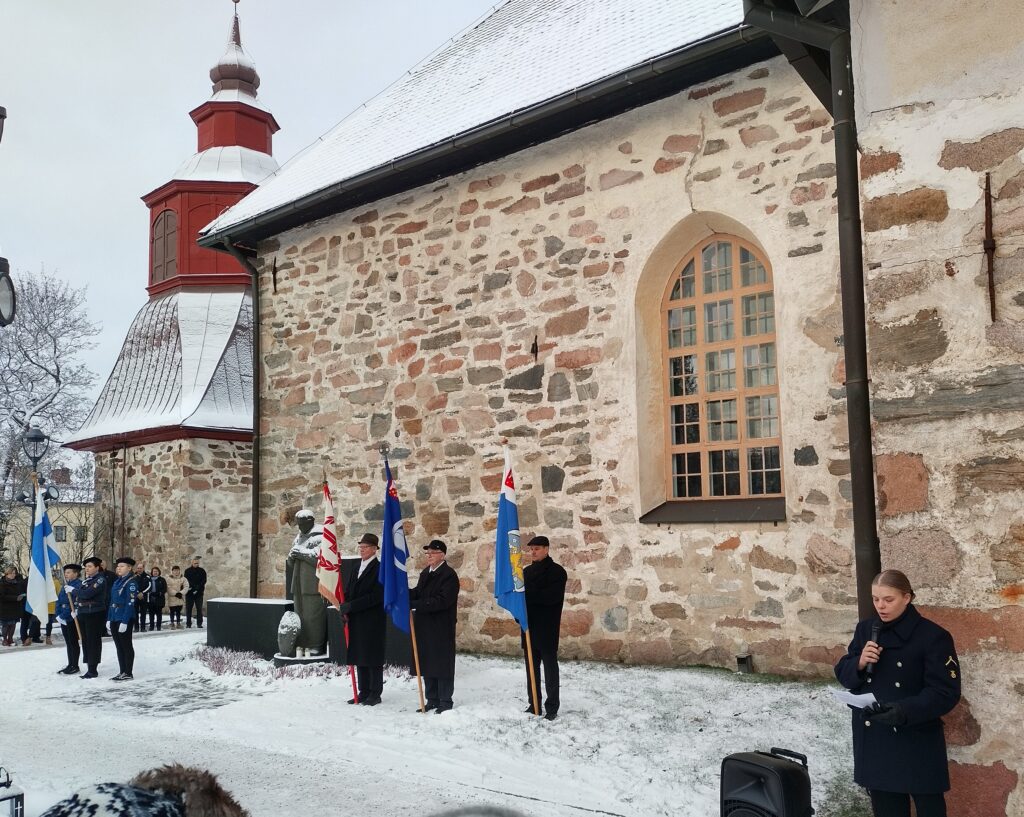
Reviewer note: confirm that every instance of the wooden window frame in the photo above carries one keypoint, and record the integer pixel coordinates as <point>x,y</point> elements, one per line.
<point>164,247</point>
<point>769,506</point>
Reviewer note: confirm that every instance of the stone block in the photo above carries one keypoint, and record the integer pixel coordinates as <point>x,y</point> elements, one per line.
<point>871,164</point>
<point>503,627</point>
<point>984,154</point>
<point>829,621</point>
<point>912,207</point>
<point>987,475</point>
<point>603,587</point>
<point>726,105</point>
<point>1008,555</point>
<point>576,623</point>
<point>916,342</point>
<point>530,380</point>
<point>805,455</point>
<point>980,791</point>
<point>568,323</point>
<point>755,134</point>
<point>946,397</point>
<point>825,557</point>
<point>680,143</point>
<point>607,649</point>
<point>651,652</point>
<point>566,191</point>
<point>669,611</point>
<point>551,478</point>
<point>761,558</point>
<point>960,725</point>
<point>902,483</point>
<point>616,620</point>
<point>617,177</point>
<point>558,518</point>
<point>997,629</point>
<point>768,608</point>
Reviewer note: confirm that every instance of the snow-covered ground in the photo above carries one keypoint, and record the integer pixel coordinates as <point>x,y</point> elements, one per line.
<point>628,740</point>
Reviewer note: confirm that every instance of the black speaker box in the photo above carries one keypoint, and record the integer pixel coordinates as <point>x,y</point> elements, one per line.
<point>766,784</point>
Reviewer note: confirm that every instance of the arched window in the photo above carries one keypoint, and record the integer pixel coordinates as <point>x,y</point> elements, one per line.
<point>164,246</point>
<point>722,381</point>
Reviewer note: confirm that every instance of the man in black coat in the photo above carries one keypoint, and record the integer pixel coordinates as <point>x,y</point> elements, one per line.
<point>364,611</point>
<point>196,578</point>
<point>142,601</point>
<point>434,600</point>
<point>545,594</point>
<point>109,577</point>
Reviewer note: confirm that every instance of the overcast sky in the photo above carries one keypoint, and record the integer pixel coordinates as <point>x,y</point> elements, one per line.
<point>98,94</point>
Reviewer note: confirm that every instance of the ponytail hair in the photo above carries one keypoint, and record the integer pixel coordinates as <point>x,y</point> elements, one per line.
<point>896,579</point>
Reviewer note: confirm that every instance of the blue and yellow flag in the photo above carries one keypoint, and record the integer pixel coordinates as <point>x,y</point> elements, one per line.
<point>509,588</point>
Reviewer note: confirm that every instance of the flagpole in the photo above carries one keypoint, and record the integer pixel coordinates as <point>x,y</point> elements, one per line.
<point>533,675</point>
<point>341,599</point>
<point>416,661</point>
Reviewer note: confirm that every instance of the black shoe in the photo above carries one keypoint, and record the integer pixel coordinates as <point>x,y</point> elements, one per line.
<point>427,708</point>
<point>69,671</point>
<point>529,710</point>
<point>90,674</point>
<point>371,701</point>
<point>354,701</point>
<point>550,716</point>
<point>443,708</point>
<point>124,676</point>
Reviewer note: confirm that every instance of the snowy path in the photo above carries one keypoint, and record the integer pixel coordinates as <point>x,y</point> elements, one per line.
<point>628,741</point>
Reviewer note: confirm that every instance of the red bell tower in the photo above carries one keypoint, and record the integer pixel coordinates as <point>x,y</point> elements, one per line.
<point>235,135</point>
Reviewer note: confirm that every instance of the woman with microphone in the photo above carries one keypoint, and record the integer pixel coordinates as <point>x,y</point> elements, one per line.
<point>910,665</point>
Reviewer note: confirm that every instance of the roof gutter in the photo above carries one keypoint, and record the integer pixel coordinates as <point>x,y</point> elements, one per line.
<point>254,521</point>
<point>417,165</point>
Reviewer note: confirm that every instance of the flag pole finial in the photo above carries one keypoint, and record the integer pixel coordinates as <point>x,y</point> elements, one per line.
<point>384,447</point>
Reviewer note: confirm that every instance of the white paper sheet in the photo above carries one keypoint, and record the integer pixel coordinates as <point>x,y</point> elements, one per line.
<point>859,701</point>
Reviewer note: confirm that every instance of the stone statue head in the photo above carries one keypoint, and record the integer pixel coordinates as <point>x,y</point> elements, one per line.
<point>305,520</point>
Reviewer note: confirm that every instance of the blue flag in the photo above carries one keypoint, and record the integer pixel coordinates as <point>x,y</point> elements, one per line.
<point>40,590</point>
<point>394,552</point>
<point>509,587</point>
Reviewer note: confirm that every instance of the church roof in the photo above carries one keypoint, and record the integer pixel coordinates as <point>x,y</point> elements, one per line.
<point>522,55</point>
<point>227,163</point>
<point>186,363</point>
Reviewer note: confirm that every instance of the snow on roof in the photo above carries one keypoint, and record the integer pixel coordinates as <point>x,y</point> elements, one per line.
<point>187,361</point>
<point>229,163</point>
<point>524,53</point>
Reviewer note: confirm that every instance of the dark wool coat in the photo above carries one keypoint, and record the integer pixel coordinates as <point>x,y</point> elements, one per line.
<point>545,594</point>
<point>435,599</point>
<point>93,595</point>
<point>366,618</point>
<point>11,607</point>
<point>156,594</point>
<point>918,669</point>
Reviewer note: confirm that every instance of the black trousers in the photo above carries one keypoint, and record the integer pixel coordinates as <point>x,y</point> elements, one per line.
<point>70,634</point>
<point>49,624</point>
<point>370,681</point>
<point>125,650</point>
<point>194,600</point>
<point>93,626</point>
<point>156,616</point>
<point>439,691</point>
<point>897,804</point>
<point>141,607</point>
<point>29,627</point>
<point>549,660</point>
<point>174,615</point>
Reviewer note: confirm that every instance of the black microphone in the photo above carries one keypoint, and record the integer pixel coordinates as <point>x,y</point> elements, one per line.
<point>875,629</point>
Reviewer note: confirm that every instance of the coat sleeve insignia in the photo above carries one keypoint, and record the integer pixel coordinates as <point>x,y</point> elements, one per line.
<point>951,660</point>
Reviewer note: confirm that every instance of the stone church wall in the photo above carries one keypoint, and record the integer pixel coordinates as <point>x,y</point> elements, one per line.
<point>178,499</point>
<point>412,321</point>
<point>948,382</point>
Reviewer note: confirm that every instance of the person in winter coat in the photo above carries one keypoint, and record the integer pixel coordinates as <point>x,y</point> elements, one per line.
<point>142,600</point>
<point>364,609</point>
<point>12,604</point>
<point>155,598</point>
<point>545,594</point>
<point>196,578</point>
<point>91,601</point>
<point>434,600</point>
<point>65,614</point>
<point>123,600</point>
<point>910,665</point>
<point>177,587</point>
<point>109,577</point>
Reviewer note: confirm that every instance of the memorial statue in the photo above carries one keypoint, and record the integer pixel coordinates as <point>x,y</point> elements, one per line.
<point>309,604</point>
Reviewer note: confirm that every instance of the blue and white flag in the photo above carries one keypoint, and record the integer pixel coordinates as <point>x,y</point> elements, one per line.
<point>509,587</point>
<point>44,557</point>
<point>394,552</point>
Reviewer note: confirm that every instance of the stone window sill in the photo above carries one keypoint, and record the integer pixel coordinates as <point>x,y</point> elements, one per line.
<point>769,509</point>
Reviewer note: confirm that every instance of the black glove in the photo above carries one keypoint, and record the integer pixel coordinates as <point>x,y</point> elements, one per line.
<point>886,714</point>
<point>177,595</point>
<point>344,607</point>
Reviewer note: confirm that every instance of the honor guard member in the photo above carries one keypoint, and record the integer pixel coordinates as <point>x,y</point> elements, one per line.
<point>91,601</point>
<point>910,665</point>
<point>435,604</point>
<point>123,600</point>
<point>364,609</point>
<point>66,613</point>
<point>545,594</point>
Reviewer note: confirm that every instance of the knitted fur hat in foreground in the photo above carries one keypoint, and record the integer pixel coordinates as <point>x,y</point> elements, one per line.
<point>170,791</point>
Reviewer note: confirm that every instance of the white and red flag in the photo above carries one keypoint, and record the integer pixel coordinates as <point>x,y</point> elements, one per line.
<point>328,563</point>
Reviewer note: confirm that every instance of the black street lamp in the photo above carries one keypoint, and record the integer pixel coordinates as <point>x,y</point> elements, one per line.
<point>35,444</point>
<point>7,299</point>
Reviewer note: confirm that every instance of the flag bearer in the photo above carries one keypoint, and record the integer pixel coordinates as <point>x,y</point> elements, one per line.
<point>91,602</point>
<point>121,616</point>
<point>66,613</point>
<point>545,595</point>
<point>435,601</point>
<point>364,607</point>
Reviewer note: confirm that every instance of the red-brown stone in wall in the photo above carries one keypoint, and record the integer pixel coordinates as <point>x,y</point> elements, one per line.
<point>578,358</point>
<point>822,655</point>
<point>796,144</point>
<point>756,134</point>
<point>607,649</point>
<point>566,191</point>
<point>739,101</point>
<point>902,483</point>
<point>709,90</point>
<point>410,227</point>
<point>486,184</point>
<point>871,164</point>
<point>539,182</point>
<point>500,627</point>
<point>817,119</point>
<point>617,177</point>
<point>682,143</point>
<point>731,543</point>
<point>667,165</point>
<point>922,204</point>
<point>960,725</point>
<point>979,791</point>
<point>761,558</point>
<point>523,205</point>
<point>651,652</point>
<point>1014,187</point>
<point>1001,628</point>
<point>575,623</point>
<point>568,323</point>
<point>985,153</point>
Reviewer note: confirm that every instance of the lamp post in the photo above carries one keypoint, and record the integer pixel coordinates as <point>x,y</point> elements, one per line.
<point>7,299</point>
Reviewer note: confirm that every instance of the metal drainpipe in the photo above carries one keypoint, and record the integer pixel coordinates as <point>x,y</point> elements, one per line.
<point>851,276</point>
<point>254,540</point>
